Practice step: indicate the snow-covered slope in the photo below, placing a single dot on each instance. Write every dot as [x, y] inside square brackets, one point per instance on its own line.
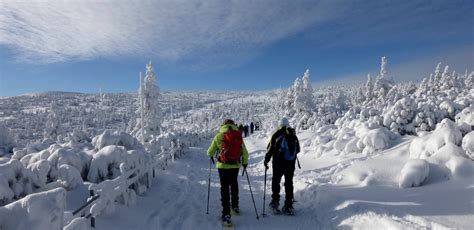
[353, 192]
[383, 155]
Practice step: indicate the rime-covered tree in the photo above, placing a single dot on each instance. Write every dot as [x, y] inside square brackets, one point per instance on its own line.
[469, 80]
[383, 83]
[150, 117]
[307, 91]
[369, 89]
[292, 100]
[51, 130]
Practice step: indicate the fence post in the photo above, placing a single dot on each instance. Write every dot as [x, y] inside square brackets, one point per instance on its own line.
[148, 180]
[91, 193]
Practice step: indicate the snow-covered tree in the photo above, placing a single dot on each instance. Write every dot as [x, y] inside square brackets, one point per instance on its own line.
[308, 90]
[369, 88]
[289, 104]
[150, 117]
[383, 83]
[51, 130]
[6, 140]
[469, 80]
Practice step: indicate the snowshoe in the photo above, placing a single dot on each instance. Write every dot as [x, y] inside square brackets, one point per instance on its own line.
[274, 209]
[289, 211]
[226, 222]
[235, 211]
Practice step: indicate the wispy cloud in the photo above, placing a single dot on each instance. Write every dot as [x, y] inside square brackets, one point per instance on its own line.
[58, 31]
[206, 32]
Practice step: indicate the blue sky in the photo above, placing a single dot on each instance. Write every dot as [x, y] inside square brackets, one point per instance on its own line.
[86, 45]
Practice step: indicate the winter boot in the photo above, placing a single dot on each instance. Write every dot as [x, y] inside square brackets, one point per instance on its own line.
[226, 222]
[274, 207]
[288, 210]
[235, 211]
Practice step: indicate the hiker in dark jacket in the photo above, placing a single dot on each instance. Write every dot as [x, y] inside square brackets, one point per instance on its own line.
[251, 127]
[283, 164]
[246, 130]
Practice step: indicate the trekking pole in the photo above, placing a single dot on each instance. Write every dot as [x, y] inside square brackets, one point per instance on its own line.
[251, 193]
[297, 160]
[264, 191]
[211, 160]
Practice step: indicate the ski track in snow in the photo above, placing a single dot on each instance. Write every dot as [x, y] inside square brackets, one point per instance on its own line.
[177, 199]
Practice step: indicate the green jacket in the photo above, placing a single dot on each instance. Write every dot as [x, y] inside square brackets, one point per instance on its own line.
[217, 143]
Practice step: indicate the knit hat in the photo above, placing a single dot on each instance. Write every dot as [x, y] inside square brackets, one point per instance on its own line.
[228, 122]
[284, 122]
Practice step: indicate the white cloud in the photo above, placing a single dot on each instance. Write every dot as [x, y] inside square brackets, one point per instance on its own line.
[175, 30]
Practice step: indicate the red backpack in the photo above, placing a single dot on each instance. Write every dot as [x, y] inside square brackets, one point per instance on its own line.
[231, 147]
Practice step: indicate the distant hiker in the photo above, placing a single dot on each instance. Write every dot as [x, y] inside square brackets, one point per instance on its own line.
[246, 130]
[257, 126]
[241, 128]
[283, 147]
[230, 149]
[251, 127]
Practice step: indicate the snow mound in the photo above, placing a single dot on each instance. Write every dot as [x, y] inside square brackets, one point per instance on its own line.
[42, 211]
[6, 141]
[426, 146]
[116, 138]
[40, 169]
[79, 223]
[372, 220]
[468, 144]
[460, 167]
[372, 140]
[357, 136]
[16, 181]
[466, 116]
[442, 150]
[106, 163]
[414, 173]
[69, 177]
[78, 160]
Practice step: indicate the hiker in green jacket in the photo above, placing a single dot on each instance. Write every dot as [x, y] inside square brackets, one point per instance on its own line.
[229, 148]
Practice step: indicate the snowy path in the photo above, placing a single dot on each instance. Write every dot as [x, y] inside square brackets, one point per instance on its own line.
[177, 199]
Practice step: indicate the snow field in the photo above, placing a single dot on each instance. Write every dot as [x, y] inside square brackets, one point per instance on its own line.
[379, 155]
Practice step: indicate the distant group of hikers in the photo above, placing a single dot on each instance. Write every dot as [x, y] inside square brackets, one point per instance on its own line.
[229, 149]
[246, 129]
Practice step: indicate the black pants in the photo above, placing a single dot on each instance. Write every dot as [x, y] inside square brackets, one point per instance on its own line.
[288, 171]
[228, 178]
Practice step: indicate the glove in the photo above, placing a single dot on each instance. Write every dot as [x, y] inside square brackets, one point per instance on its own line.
[213, 162]
[265, 164]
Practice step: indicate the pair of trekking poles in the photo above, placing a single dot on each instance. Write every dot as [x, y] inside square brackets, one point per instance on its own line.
[248, 180]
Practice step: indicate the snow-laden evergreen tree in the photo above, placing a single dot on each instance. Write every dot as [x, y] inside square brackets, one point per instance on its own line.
[308, 91]
[51, 130]
[383, 83]
[7, 141]
[148, 124]
[291, 97]
[299, 103]
[469, 80]
[369, 89]
[360, 96]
